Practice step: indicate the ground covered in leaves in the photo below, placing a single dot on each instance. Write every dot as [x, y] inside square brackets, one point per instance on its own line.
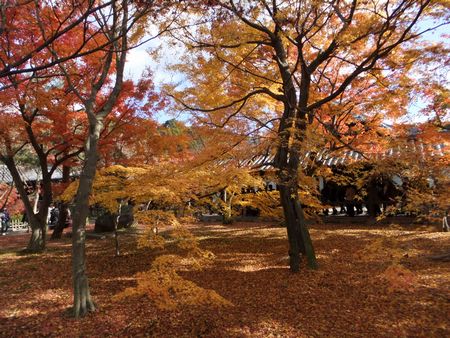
[373, 281]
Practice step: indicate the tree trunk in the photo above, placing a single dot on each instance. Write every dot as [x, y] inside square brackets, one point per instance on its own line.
[288, 171]
[227, 217]
[116, 240]
[60, 225]
[38, 225]
[36, 221]
[297, 231]
[116, 235]
[304, 236]
[290, 132]
[63, 207]
[36, 243]
[228, 213]
[36, 199]
[7, 193]
[298, 234]
[291, 226]
[82, 297]
[83, 302]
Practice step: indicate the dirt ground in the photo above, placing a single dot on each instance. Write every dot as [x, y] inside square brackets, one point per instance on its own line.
[372, 282]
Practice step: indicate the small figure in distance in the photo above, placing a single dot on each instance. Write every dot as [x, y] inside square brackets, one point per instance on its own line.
[5, 220]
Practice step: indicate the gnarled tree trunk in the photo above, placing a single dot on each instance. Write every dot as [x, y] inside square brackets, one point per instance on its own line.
[37, 241]
[297, 231]
[291, 133]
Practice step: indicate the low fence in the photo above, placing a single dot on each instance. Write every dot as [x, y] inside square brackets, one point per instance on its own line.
[18, 225]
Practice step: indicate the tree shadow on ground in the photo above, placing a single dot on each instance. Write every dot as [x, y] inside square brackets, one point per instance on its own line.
[345, 297]
[345, 291]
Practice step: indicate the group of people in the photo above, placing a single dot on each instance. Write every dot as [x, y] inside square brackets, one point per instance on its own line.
[5, 219]
[52, 220]
[54, 215]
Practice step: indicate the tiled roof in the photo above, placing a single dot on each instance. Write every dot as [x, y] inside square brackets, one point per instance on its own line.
[27, 174]
[265, 162]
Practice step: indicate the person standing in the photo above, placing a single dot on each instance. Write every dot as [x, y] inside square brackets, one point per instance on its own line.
[5, 219]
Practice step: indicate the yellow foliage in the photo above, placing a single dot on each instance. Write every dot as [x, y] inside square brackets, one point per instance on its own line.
[268, 202]
[184, 239]
[163, 285]
[168, 289]
[109, 187]
[154, 219]
[151, 240]
[69, 192]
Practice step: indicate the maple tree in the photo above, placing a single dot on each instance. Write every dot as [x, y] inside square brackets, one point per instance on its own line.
[29, 28]
[104, 80]
[78, 50]
[34, 98]
[161, 191]
[46, 103]
[98, 85]
[281, 63]
[32, 108]
[284, 75]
